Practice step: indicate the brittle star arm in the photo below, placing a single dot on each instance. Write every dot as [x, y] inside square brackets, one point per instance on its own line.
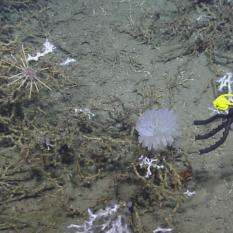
[209, 120]
[211, 133]
[221, 140]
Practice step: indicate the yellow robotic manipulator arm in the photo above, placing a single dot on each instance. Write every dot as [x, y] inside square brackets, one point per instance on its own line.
[222, 103]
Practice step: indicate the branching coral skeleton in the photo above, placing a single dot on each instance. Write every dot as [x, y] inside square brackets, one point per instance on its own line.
[27, 77]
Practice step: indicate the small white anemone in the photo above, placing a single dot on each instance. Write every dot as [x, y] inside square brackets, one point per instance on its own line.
[157, 128]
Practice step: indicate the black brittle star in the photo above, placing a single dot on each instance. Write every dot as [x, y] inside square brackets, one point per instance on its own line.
[227, 120]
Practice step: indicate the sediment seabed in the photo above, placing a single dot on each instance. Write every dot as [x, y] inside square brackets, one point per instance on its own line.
[72, 151]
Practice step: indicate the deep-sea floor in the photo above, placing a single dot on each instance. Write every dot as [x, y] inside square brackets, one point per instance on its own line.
[75, 146]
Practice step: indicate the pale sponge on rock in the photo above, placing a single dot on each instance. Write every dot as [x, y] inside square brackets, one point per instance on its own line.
[157, 128]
